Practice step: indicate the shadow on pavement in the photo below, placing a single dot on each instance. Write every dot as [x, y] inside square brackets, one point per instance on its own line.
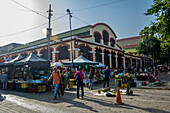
[48, 96]
[151, 110]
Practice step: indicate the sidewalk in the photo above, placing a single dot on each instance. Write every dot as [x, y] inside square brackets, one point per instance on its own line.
[143, 101]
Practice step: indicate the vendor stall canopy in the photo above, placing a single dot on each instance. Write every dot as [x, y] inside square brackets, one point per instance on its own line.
[33, 61]
[9, 63]
[7, 60]
[80, 61]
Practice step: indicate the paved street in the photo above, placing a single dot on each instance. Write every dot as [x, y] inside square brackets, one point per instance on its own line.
[143, 101]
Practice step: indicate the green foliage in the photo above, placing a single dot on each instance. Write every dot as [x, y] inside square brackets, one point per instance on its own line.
[157, 36]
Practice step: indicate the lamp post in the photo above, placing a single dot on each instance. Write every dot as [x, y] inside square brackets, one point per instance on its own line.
[70, 16]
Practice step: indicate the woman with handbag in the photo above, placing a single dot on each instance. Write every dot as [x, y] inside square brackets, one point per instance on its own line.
[56, 81]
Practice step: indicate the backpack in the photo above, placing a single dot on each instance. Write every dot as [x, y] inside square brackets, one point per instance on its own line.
[78, 77]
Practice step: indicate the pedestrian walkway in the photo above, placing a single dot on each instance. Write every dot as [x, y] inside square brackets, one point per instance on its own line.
[143, 100]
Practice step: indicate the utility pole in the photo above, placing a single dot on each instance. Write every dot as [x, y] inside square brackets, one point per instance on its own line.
[70, 16]
[49, 32]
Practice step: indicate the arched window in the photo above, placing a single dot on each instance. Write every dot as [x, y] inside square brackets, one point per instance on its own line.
[106, 58]
[113, 60]
[112, 41]
[97, 37]
[84, 51]
[63, 53]
[105, 37]
[98, 55]
[45, 54]
[120, 61]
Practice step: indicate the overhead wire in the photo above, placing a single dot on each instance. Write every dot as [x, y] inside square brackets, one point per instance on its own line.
[80, 20]
[29, 8]
[43, 12]
[56, 18]
[32, 27]
[87, 8]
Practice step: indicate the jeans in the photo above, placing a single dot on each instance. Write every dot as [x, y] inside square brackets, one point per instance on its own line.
[106, 80]
[80, 83]
[56, 86]
[91, 83]
[4, 84]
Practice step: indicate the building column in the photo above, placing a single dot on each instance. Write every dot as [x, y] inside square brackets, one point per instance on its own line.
[92, 55]
[54, 57]
[109, 44]
[76, 50]
[102, 57]
[141, 63]
[124, 63]
[116, 60]
[38, 53]
[110, 59]
[102, 42]
[130, 62]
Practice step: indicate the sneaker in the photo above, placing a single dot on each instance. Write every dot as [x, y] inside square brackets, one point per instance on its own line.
[91, 88]
[54, 98]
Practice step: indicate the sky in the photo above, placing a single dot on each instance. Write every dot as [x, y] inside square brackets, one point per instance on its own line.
[125, 17]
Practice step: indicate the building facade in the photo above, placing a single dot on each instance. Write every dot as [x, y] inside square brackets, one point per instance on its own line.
[95, 42]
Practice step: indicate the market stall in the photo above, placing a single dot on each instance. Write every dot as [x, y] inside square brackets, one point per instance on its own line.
[32, 74]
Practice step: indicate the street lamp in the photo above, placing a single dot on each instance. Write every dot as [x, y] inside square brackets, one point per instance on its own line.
[70, 16]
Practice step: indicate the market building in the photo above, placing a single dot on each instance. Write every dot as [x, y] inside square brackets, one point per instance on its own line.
[96, 42]
[129, 44]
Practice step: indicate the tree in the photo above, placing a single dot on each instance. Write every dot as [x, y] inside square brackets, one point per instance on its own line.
[159, 31]
[149, 45]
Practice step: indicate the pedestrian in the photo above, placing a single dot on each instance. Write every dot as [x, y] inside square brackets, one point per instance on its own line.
[91, 76]
[106, 76]
[4, 80]
[67, 77]
[79, 77]
[56, 81]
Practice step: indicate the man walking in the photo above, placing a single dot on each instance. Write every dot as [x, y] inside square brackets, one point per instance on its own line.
[80, 76]
[106, 76]
[56, 81]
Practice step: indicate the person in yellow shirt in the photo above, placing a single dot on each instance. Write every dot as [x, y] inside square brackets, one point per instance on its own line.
[56, 81]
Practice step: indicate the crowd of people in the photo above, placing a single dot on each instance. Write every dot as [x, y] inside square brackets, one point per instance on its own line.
[61, 77]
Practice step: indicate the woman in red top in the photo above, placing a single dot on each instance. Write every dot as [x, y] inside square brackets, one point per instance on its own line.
[80, 83]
